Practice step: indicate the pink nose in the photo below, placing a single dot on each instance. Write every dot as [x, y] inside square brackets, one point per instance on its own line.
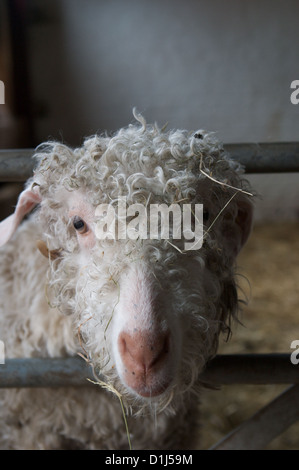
[144, 356]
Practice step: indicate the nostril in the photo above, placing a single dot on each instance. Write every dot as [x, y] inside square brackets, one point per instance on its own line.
[122, 344]
[162, 352]
[128, 348]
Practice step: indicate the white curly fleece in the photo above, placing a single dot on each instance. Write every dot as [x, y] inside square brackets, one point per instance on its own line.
[146, 313]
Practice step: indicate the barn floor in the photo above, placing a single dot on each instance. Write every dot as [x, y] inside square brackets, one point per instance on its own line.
[270, 261]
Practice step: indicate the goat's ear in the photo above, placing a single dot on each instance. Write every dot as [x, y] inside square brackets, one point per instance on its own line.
[237, 230]
[28, 199]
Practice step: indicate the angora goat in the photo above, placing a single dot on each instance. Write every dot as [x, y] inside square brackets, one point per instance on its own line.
[145, 312]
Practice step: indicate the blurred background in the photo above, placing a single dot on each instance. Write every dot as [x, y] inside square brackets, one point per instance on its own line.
[72, 68]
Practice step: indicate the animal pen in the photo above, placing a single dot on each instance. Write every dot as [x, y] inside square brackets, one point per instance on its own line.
[262, 427]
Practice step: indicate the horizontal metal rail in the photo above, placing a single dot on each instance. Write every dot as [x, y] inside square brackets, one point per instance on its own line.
[17, 165]
[222, 370]
[277, 157]
[45, 372]
[252, 369]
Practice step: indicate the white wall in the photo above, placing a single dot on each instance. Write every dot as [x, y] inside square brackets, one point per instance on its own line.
[221, 65]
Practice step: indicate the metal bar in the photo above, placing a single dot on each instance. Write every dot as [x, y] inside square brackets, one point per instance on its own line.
[16, 165]
[251, 369]
[265, 425]
[222, 370]
[278, 157]
[45, 372]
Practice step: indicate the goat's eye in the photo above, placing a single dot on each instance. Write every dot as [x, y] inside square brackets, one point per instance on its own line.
[79, 225]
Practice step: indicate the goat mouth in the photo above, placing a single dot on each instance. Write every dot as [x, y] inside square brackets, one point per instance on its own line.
[151, 390]
[149, 383]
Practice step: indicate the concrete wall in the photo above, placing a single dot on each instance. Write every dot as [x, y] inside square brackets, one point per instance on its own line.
[221, 65]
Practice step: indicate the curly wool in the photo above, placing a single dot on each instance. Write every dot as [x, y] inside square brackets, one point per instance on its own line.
[195, 290]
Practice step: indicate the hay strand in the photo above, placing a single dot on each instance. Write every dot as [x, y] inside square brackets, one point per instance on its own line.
[110, 388]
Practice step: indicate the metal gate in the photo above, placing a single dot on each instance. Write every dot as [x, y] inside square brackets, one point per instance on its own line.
[267, 423]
